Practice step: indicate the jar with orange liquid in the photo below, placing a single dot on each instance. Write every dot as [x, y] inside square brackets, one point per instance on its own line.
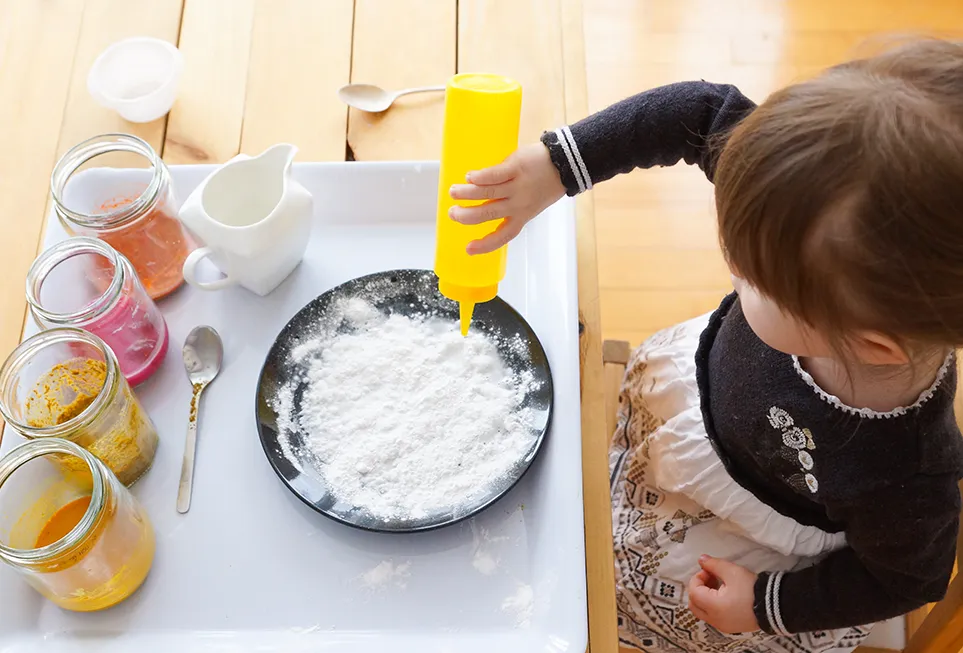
[79, 537]
[133, 210]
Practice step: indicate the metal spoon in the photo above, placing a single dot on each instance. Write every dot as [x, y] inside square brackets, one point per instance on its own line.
[203, 353]
[375, 99]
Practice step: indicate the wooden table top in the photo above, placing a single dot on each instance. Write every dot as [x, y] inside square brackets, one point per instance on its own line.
[258, 72]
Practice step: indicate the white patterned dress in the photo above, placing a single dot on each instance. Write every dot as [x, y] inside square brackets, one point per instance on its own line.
[673, 500]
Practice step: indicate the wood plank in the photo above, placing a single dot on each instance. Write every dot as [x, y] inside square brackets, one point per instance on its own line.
[645, 267]
[105, 22]
[654, 310]
[300, 55]
[822, 47]
[599, 563]
[425, 31]
[205, 124]
[38, 41]
[613, 384]
[521, 40]
[942, 630]
[756, 15]
[669, 227]
[633, 337]
[916, 618]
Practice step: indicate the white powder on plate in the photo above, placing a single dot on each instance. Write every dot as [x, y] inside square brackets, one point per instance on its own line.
[404, 416]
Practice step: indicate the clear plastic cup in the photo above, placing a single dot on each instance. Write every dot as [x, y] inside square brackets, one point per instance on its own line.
[137, 77]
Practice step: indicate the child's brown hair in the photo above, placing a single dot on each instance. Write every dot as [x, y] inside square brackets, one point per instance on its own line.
[841, 198]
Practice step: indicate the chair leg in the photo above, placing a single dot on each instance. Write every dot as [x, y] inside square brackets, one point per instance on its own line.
[615, 356]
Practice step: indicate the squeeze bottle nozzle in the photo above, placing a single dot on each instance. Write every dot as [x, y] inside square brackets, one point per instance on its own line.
[482, 115]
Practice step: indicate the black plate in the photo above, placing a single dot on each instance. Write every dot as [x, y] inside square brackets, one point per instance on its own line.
[406, 292]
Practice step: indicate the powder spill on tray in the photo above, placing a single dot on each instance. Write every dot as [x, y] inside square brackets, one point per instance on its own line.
[521, 605]
[387, 572]
[404, 416]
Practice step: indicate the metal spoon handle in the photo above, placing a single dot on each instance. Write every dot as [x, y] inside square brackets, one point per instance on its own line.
[190, 446]
[420, 89]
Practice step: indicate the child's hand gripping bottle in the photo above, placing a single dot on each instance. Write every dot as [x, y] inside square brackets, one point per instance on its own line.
[482, 114]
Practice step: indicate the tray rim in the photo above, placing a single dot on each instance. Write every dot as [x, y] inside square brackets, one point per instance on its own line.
[576, 634]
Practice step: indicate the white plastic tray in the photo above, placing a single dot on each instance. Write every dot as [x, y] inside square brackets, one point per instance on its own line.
[251, 568]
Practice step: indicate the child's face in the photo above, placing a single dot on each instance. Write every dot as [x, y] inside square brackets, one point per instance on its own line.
[777, 329]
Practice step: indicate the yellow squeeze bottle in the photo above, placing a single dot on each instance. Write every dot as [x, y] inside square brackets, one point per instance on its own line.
[482, 113]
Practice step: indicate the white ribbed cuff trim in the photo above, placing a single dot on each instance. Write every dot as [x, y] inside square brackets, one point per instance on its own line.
[773, 612]
[578, 157]
[574, 157]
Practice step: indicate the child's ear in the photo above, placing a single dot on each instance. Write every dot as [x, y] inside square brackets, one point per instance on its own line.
[872, 348]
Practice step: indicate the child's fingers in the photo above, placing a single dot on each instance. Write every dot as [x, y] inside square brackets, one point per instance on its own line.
[707, 579]
[494, 210]
[721, 569]
[498, 174]
[699, 613]
[473, 192]
[501, 236]
[702, 596]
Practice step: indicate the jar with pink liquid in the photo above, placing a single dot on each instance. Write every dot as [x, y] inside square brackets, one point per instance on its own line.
[84, 282]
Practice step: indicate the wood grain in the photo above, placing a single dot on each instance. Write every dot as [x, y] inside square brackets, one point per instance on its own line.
[759, 45]
[105, 22]
[300, 55]
[38, 41]
[645, 267]
[423, 34]
[942, 630]
[205, 124]
[599, 562]
[522, 40]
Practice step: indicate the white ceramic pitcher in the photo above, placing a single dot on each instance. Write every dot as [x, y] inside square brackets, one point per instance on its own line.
[254, 220]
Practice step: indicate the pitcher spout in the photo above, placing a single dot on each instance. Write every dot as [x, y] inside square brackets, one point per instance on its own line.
[278, 157]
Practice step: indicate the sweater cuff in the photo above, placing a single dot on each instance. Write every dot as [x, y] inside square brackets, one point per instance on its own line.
[568, 160]
[766, 604]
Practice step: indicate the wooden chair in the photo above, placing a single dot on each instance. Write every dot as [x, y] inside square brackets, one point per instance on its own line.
[937, 628]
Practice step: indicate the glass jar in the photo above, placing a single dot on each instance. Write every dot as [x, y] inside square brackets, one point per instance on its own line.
[84, 282]
[66, 383]
[80, 539]
[133, 210]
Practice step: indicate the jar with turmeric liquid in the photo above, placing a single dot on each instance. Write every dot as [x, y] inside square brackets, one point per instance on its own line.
[132, 208]
[78, 537]
[66, 383]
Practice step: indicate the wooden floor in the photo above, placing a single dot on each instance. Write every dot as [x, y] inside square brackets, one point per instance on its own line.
[658, 259]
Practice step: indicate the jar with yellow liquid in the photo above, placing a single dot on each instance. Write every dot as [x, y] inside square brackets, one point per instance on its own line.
[482, 116]
[78, 537]
[66, 383]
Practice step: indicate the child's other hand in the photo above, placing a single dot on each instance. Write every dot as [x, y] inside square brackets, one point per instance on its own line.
[722, 595]
[518, 189]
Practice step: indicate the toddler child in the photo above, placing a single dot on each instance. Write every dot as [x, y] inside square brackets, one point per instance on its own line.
[785, 470]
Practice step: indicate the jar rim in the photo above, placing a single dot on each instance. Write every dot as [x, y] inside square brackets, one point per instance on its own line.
[93, 147]
[26, 350]
[44, 264]
[32, 449]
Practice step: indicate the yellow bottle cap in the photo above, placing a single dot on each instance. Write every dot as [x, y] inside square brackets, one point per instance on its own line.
[467, 297]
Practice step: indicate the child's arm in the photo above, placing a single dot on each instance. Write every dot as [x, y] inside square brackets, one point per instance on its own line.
[658, 127]
[902, 543]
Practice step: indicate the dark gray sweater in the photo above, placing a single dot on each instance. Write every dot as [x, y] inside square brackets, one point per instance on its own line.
[889, 481]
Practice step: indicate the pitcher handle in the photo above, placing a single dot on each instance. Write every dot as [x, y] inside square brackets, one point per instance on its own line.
[190, 265]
